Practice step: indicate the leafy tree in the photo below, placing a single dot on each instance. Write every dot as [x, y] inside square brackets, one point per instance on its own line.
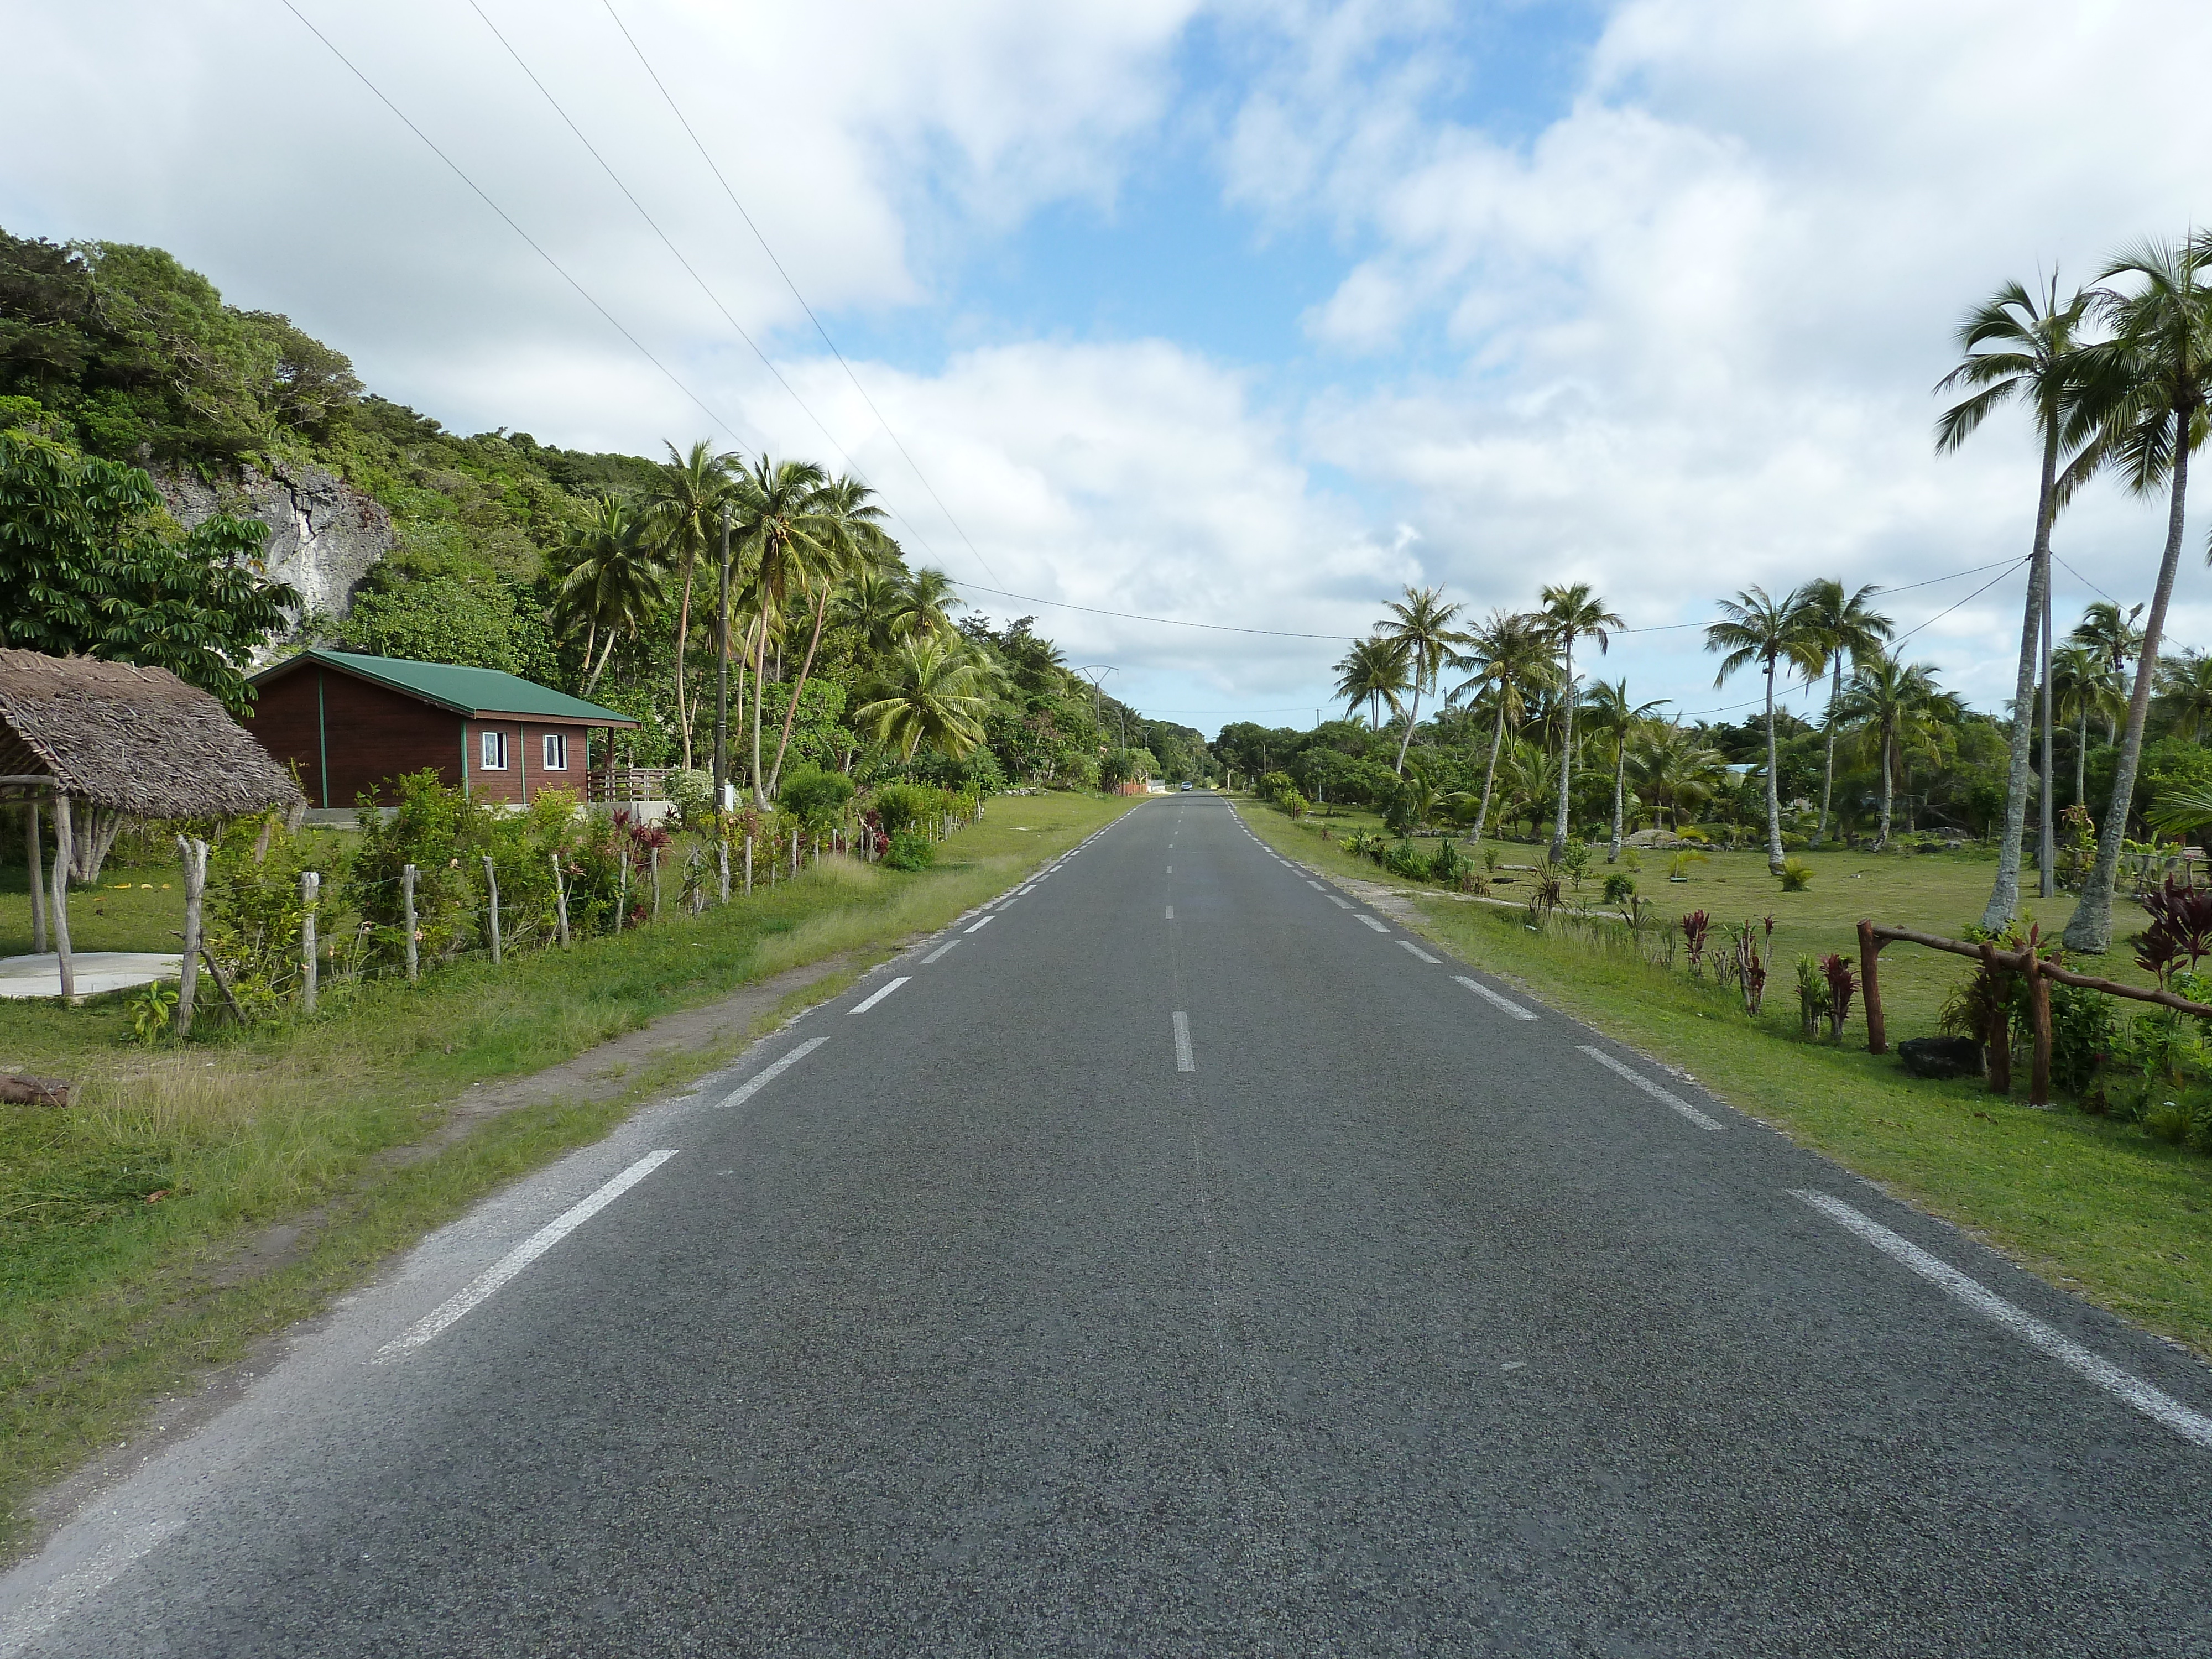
[1757, 627]
[685, 509]
[615, 582]
[1846, 626]
[91, 564]
[926, 695]
[1374, 671]
[1616, 720]
[1508, 656]
[1421, 625]
[1896, 705]
[1572, 612]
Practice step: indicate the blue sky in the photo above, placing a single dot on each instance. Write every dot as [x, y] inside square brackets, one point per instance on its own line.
[1239, 313]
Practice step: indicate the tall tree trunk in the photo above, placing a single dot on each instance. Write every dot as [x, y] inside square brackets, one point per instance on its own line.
[1413, 714]
[1828, 766]
[1566, 758]
[2004, 893]
[1773, 783]
[592, 684]
[760, 696]
[683, 635]
[2046, 858]
[2090, 929]
[1489, 777]
[1888, 790]
[1620, 795]
[2081, 761]
[791, 711]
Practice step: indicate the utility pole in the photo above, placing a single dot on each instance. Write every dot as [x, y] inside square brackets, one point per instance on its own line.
[722, 677]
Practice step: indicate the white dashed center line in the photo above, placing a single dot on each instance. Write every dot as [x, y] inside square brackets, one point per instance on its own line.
[1417, 952]
[1184, 1061]
[863, 1007]
[1172, 913]
[1505, 1003]
[981, 925]
[1379, 926]
[1650, 1088]
[768, 1074]
[939, 951]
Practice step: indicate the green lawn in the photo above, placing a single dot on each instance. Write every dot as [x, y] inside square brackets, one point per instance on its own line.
[109, 1295]
[2099, 1207]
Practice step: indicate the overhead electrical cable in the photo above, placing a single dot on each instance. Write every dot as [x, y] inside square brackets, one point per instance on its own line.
[484, 196]
[889, 430]
[2085, 581]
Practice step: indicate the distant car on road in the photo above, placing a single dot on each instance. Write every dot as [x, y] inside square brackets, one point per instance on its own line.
[1183, 788]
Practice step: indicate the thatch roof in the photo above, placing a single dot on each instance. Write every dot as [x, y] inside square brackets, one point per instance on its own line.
[138, 740]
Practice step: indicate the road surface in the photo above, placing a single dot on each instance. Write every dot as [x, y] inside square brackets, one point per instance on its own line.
[1175, 1257]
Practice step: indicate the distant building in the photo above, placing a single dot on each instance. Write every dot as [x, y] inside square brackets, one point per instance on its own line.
[351, 724]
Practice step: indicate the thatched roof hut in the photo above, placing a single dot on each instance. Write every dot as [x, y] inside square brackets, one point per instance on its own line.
[138, 742]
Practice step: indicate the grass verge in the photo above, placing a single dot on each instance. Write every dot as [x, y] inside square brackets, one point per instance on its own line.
[121, 1219]
[2100, 1207]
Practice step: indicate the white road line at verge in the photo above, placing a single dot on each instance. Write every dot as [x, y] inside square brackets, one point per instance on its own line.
[1172, 913]
[1184, 1062]
[768, 1074]
[863, 1007]
[981, 925]
[1317, 887]
[481, 1287]
[1650, 1088]
[1341, 903]
[939, 951]
[2193, 1426]
[1417, 952]
[1379, 926]
[1504, 1003]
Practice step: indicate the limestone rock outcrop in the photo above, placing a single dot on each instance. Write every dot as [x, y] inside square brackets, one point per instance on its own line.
[323, 533]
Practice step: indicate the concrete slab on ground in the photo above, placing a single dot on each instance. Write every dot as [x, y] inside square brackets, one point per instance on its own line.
[95, 971]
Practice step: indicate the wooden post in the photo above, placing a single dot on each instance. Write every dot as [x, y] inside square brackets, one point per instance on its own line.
[34, 864]
[656, 884]
[748, 866]
[2038, 1004]
[188, 976]
[311, 886]
[818, 852]
[560, 899]
[407, 915]
[58, 899]
[222, 983]
[722, 861]
[1870, 989]
[794, 850]
[622, 892]
[491, 891]
[1999, 1036]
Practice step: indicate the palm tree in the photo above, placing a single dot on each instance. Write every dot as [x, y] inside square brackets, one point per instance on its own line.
[1510, 655]
[1847, 626]
[685, 505]
[1756, 628]
[614, 584]
[1572, 613]
[2184, 692]
[1421, 627]
[873, 604]
[2113, 636]
[2085, 683]
[1897, 708]
[2018, 348]
[1672, 768]
[1612, 716]
[789, 549]
[932, 691]
[930, 599]
[1529, 777]
[1373, 671]
[2141, 411]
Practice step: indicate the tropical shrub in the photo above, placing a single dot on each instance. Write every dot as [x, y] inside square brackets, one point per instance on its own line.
[816, 797]
[910, 851]
[1797, 875]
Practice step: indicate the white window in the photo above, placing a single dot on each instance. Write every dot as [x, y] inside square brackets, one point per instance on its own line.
[495, 751]
[556, 752]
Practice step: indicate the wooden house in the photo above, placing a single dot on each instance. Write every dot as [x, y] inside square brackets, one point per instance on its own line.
[351, 724]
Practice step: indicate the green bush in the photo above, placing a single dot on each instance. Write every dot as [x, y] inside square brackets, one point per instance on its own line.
[1620, 888]
[1448, 864]
[903, 807]
[910, 851]
[1797, 875]
[817, 798]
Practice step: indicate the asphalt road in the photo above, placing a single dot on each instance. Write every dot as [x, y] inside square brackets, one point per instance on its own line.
[1175, 1257]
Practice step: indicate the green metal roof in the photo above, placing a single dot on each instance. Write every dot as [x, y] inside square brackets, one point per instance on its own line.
[470, 691]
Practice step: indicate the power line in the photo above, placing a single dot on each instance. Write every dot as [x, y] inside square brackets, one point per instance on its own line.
[2085, 581]
[1132, 616]
[889, 431]
[1948, 608]
[485, 197]
[1932, 581]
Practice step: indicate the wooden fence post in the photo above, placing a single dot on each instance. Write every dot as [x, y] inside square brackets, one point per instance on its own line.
[311, 886]
[622, 892]
[748, 866]
[188, 975]
[2038, 1005]
[57, 898]
[1870, 989]
[560, 899]
[1998, 1037]
[656, 884]
[34, 863]
[407, 908]
[491, 890]
[722, 862]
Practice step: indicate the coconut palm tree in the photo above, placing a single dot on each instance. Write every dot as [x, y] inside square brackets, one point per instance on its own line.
[2111, 633]
[1526, 781]
[1846, 626]
[1509, 656]
[1615, 720]
[845, 535]
[2142, 411]
[2019, 347]
[1673, 769]
[872, 603]
[1757, 627]
[930, 691]
[1572, 612]
[685, 507]
[1373, 672]
[1897, 708]
[2086, 685]
[930, 601]
[1421, 627]
[2184, 693]
[787, 538]
[614, 583]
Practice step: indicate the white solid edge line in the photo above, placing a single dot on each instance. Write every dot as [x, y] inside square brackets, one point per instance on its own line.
[1417, 952]
[1506, 1004]
[485, 1283]
[1650, 1088]
[939, 951]
[981, 925]
[768, 1074]
[2191, 1425]
[863, 1007]
[1379, 926]
[1184, 1062]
